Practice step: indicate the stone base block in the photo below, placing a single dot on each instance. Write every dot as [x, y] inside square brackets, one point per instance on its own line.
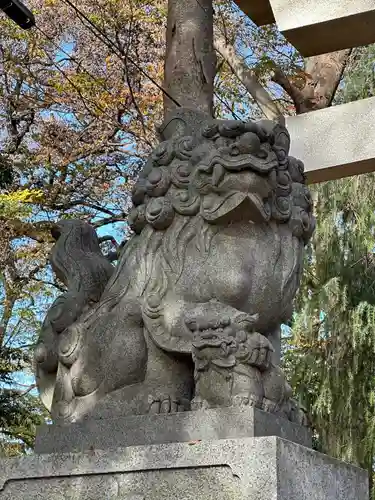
[218, 423]
[267, 468]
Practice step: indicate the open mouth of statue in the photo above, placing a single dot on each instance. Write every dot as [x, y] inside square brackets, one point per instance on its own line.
[235, 206]
[228, 195]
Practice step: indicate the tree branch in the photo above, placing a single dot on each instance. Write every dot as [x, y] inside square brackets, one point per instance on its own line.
[246, 76]
[110, 220]
[38, 231]
[293, 92]
[318, 82]
[51, 283]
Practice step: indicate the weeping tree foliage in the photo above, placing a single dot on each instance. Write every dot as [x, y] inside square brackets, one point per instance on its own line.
[20, 409]
[331, 353]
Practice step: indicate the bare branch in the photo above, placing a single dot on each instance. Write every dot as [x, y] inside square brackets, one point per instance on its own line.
[110, 220]
[269, 108]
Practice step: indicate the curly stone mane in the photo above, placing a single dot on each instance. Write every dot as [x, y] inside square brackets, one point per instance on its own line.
[170, 201]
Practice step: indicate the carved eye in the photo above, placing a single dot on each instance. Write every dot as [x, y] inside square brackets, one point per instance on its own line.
[234, 151]
[262, 154]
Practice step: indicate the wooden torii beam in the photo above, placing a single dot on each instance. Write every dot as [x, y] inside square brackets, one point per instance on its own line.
[335, 142]
[338, 141]
[259, 11]
[317, 26]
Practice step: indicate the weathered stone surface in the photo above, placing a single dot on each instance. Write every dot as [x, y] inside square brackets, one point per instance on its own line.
[213, 424]
[253, 468]
[348, 140]
[317, 27]
[221, 216]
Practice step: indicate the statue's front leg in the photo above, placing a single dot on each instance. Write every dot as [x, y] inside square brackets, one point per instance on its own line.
[169, 335]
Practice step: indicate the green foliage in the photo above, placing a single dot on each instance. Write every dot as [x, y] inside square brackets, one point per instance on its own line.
[360, 76]
[6, 173]
[331, 353]
[20, 411]
[19, 203]
[20, 414]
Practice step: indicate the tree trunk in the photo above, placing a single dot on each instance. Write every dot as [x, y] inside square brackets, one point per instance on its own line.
[190, 60]
[319, 82]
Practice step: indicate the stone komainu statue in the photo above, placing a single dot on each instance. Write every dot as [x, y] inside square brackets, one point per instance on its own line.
[190, 316]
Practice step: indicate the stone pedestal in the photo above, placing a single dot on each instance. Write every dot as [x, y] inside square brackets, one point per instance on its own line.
[215, 457]
[213, 424]
[267, 468]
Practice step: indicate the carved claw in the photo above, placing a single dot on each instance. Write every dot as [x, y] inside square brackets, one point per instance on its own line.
[261, 358]
[253, 400]
[260, 351]
[297, 414]
[240, 400]
[201, 324]
[214, 315]
[166, 404]
[199, 404]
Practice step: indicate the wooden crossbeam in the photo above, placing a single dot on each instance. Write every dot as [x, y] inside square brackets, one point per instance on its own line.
[259, 11]
[335, 142]
[338, 141]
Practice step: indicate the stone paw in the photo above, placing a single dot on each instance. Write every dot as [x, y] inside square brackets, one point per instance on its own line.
[214, 316]
[297, 414]
[166, 404]
[241, 400]
[259, 351]
[199, 404]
